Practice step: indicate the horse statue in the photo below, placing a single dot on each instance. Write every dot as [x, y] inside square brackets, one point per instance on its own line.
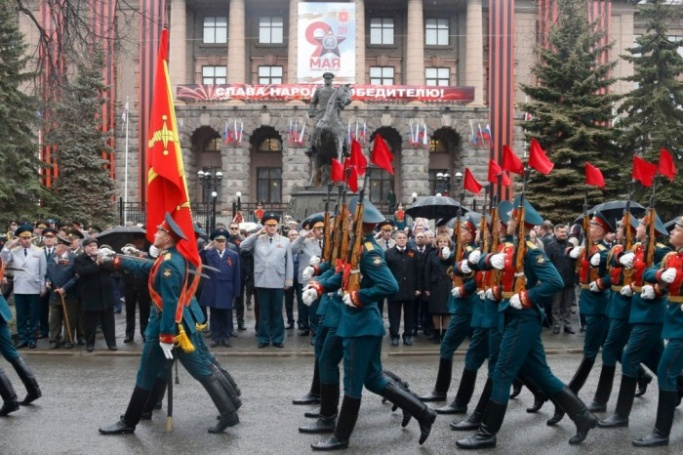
[329, 140]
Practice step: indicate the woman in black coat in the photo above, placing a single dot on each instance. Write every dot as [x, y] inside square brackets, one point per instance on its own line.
[439, 283]
[96, 288]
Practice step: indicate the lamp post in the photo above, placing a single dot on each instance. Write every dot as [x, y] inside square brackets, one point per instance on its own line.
[439, 182]
[210, 185]
[443, 182]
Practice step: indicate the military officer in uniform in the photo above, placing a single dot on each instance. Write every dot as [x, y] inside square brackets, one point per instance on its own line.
[521, 348]
[361, 329]
[321, 96]
[169, 284]
[308, 245]
[666, 283]
[273, 273]
[10, 353]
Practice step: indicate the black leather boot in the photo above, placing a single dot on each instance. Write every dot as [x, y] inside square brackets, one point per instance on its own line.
[329, 400]
[230, 388]
[8, 395]
[575, 385]
[644, 379]
[29, 380]
[345, 423]
[314, 413]
[474, 420]
[413, 406]
[227, 375]
[577, 411]
[443, 382]
[624, 404]
[391, 376]
[539, 396]
[516, 388]
[665, 418]
[485, 437]
[313, 395]
[127, 422]
[224, 404]
[464, 395]
[155, 398]
[604, 390]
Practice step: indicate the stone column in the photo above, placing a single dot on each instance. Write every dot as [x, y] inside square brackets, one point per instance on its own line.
[177, 60]
[236, 42]
[293, 44]
[415, 51]
[360, 41]
[474, 51]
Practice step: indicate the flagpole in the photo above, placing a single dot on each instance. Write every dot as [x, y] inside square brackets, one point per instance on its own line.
[125, 184]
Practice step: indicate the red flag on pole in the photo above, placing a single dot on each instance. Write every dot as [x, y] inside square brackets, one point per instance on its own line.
[643, 171]
[357, 159]
[494, 171]
[381, 156]
[166, 184]
[594, 176]
[511, 162]
[352, 180]
[506, 180]
[667, 167]
[470, 183]
[336, 171]
[538, 159]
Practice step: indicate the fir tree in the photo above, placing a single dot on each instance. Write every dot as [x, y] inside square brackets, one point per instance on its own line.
[571, 112]
[20, 187]
[652, 112]
[84, 190]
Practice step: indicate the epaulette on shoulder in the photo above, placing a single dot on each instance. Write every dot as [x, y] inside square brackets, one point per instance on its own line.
[468, 248]
[601, 247]
[369, 246]
[660, 245]
[531, 245]
[167, 256]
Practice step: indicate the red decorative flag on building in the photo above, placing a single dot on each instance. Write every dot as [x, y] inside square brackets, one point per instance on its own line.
[381, 156]
[667, 166]
[594, 176]
[538, 159]
[643, 171]
[357, 159]
[336, 171]
[470, 183]
[511, 161]
[166, 185]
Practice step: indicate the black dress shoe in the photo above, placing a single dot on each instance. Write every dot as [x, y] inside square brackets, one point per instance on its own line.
[569, 330]
[278, 345]
[68, 345]
[394, 341]
[320, 426]
[113, 348]
[262, 345]
[31, 344]
[408, 341]
[128, 340]
[556, 329]
[241, 327]
[119, 427]
[217, 343]
[290, 326]
[89, 348]
[226, 343]
[304, 332]
[314, 414]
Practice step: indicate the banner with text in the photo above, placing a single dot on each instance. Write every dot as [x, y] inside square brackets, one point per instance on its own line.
[327, 42]
[304, 92]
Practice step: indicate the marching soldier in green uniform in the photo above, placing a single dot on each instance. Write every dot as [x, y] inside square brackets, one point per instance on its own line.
[521, 349]
[167, 285]
[362, 329]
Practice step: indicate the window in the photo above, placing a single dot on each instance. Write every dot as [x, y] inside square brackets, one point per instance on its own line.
[270, 144]
[213, 75]
[270, 30]
[381, 185]
[270, 75]
[382, 75]
[269, 185]
[437, 146]
[215, 30]
[437, 76]
[381, 30]
[436, 32]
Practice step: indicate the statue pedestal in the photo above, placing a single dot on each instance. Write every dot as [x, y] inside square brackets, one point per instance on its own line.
[307, 201]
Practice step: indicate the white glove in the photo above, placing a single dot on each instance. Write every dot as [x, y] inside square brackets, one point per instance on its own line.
[347, 300]
[489, 294]
[129, 250]
[575, 252]
[315, 260]
[154, 251]
[474, 257]
[516, 302]
[498, 261]
[456, 292]
[595, 260]
[669, 275]
[647, 292]
[464, 268]
[307, 274]
[309, 296]
[481, 295]
[681, 306]
[167, 348]
[593, 286]
[107, 252]
[626, 291]
[445, 252]
[627, 259]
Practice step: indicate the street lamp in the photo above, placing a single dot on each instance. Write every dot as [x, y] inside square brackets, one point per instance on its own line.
[439, 182]
[414, 195]
[237, 204]
[210, 185]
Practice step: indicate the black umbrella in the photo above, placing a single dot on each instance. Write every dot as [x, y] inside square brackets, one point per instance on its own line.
[613, 211]
[435, 207]
[120, 236]
[476, 218]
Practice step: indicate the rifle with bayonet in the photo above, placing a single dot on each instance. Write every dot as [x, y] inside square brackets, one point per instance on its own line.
[457, 254]
[520, 238]
[628, 235]
[351, 280]
[651, 217]
[327, 234]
